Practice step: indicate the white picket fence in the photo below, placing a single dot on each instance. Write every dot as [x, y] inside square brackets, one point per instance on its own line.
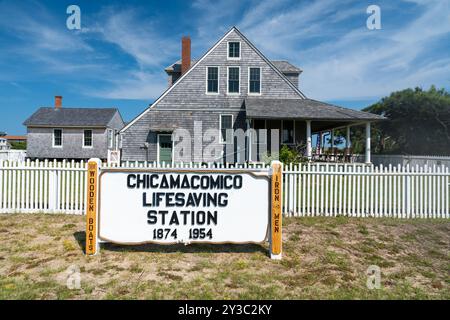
[355, 190]
[404, 160]
[360, 190]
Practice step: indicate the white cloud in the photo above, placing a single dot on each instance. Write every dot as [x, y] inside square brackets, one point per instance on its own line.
[136, 35]
[342, 62]
[36, 28]
[133, 85]
[341, 59]
[367, 63]
[142, 41]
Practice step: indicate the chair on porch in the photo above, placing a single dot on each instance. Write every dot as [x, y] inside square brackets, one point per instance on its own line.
[348, 152]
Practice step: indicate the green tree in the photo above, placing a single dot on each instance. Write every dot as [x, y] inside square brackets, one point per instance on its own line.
[419, 123]
[18, 145]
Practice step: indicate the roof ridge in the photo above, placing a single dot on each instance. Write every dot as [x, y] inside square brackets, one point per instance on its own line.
[342, 109]
[72, 116]
[83, 108]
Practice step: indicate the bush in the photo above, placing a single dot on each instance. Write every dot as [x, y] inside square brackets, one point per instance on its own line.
[287, 155]
[18, 145]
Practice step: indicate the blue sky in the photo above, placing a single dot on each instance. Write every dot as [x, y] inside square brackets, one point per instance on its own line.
[117, 58]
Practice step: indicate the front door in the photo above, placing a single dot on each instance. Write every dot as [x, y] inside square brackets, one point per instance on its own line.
[165, 148]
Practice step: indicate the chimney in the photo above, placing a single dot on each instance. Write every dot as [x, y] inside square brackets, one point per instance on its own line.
[185, 54]
[58, 102]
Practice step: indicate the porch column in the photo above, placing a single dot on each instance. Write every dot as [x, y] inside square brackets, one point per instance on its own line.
[249, 141]
[368, 142]
[332, 139]
[348, 143]
[320, 145]
[308, 140]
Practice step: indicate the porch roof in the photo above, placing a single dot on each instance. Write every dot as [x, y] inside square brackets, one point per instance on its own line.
[305, 109]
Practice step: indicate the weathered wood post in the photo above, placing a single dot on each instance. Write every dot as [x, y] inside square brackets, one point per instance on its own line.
[276, 208]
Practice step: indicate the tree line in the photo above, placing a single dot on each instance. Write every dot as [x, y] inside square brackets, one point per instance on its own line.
[418, 124]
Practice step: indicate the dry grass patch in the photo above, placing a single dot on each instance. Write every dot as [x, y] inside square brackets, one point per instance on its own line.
[324, 258]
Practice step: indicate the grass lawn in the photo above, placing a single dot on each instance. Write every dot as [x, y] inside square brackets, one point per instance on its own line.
[324, 258]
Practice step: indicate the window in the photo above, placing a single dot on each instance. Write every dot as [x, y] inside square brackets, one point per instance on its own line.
[288, 132]
[110, 139]
[234, 50]
[261, 131]
[213, 80]
[254, 80]
[226, 123]
[233, 79]
[87, 139]
[57, 138]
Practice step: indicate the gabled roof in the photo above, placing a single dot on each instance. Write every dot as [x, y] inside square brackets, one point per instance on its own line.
[15, 137]
[288, 82]
[71, 117]
[307, 109]
[286, 67]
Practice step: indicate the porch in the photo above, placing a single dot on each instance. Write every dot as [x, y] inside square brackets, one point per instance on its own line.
[298, 121]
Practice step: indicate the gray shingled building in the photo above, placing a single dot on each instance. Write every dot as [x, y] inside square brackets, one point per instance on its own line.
[72, 133]
[233, 86]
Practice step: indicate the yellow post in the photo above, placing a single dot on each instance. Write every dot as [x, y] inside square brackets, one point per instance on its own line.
[276, 216]
[91, 207]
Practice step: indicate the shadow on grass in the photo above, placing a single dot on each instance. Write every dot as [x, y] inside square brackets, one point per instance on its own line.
[80, 237]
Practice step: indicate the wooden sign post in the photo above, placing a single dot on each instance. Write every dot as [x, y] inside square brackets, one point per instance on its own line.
[92, 245]
[276, 216]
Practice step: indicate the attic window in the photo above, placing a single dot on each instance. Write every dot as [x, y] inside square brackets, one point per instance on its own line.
[234, 50]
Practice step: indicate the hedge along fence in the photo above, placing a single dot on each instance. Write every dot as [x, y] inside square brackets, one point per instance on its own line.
[314, 189]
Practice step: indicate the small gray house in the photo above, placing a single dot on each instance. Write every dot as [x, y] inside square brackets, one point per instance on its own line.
[234, 86]
[72, 133]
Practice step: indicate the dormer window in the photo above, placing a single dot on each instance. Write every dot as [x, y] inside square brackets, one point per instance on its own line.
[234, 50]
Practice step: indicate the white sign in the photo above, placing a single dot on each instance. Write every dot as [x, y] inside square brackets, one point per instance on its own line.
[183, 206]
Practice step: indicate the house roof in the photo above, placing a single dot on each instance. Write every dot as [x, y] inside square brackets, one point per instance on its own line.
[286, 67]
[303, 109]
[193, 66]
[176, 66]
[283, 66]
[15, 137]
[71, 117]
